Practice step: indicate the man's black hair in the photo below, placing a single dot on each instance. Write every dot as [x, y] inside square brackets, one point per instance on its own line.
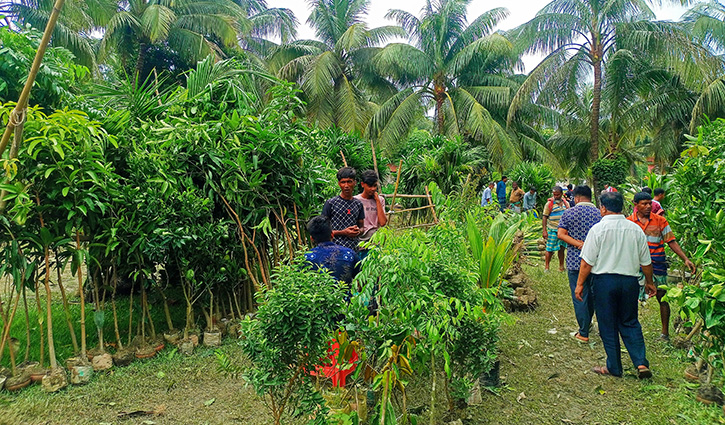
[557, 189]
[504, 177]
[532, 188]
[659, 191]
[642, 196]
[369, 177]
[612, 201]
[320, 229]
[346, 173]
[569, 186]
[583, 191]
[647, 189]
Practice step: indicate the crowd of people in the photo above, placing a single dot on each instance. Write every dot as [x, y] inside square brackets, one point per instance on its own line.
[612, 262]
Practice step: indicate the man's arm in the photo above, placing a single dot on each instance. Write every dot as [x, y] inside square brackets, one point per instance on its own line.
[585, 270]
[649, 285]
[544, 220]
[675, 247]
[563, 234]
[382, 218]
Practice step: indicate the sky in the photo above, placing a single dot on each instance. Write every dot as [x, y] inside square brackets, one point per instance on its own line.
[520, 11]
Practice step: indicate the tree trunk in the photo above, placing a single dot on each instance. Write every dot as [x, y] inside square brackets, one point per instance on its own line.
[27, 325]
[140, 62]
[66, 309]
[596, 104]
[40, 323]
[440, 119]
[84, 356]
[51, 343]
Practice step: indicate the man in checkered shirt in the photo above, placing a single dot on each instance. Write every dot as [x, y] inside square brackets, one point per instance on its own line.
[346, 214]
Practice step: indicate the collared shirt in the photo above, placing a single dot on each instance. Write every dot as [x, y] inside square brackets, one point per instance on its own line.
[516, 195]
[577, 221]
[554, 210]
[341, 262]
[371, 224]
[616, 245]
[344, 213]
[529, 201]
[658, 233]
[486, 198]
[501, 189]
[657, 208]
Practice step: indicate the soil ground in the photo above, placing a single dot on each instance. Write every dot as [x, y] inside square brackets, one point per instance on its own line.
[546, 374]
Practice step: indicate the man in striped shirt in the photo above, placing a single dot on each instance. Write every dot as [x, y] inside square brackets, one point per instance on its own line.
[658, 233]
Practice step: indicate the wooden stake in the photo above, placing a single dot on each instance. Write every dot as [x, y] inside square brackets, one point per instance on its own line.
[432, 207]
[395, 192]
[344, 161]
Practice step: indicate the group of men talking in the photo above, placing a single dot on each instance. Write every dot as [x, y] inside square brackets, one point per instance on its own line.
[613, 262]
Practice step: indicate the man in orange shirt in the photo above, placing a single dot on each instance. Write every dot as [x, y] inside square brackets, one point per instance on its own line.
[658, 233]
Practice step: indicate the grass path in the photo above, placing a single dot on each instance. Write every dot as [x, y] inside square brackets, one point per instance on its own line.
[543, 362]
[546, 374]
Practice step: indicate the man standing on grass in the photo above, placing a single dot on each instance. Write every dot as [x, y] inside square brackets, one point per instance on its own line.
[501, 192]
[346, 214]
[553, 210]
[517, 195]
[613, 253]
[487, 196]
[530, 199]
[574, 226]
[374, 206]
[658, 233]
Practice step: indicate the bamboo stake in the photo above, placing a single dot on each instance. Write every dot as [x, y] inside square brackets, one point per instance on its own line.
[395, 192]
[432, 207]
[375, 158]
[344, 161]
[400, 195]
[22, 105]
[425, 207]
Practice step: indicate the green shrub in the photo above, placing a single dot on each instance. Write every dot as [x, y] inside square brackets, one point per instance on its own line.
[612, 171]
[539, 176]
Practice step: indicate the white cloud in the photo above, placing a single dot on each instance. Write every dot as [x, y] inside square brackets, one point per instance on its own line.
[520, 11]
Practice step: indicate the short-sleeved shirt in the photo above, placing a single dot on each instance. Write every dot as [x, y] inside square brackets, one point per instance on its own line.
[529, 201]
[658, 233]
[554, 210]
[371, 216]
[615, 245]
[657, 207]
[486, 197]
[340, 261]
[516, 196]
[577, 221]
[501, 190]
[344, 213]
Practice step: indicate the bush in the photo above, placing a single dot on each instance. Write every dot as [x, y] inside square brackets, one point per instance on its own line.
[540, 176]
[612, 171]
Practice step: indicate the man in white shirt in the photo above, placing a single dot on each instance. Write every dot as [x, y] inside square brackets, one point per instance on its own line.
[613, 253]
[487, 195]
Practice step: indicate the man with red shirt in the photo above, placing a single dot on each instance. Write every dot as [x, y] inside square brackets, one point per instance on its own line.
[658, 233]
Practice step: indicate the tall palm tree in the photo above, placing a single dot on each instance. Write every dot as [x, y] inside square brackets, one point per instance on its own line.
[193, 29]
[581, 36]
[707, 23]
[333, 71]
[462, 71]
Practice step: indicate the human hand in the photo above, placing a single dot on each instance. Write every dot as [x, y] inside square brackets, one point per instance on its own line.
[690, 265]
[545, 234]
[650, 289]
[579, 244]
[578, 291]
[351, 231]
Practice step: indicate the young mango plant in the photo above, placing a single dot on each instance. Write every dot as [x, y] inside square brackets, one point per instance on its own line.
[289, 338]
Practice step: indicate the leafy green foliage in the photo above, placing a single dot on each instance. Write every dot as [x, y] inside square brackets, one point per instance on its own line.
[540, 176]
[289, 338]
[57, 81]
[612, 171]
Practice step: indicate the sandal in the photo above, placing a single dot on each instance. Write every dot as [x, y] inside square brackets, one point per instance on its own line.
[582, 339]
[643, 372]
[601, 370]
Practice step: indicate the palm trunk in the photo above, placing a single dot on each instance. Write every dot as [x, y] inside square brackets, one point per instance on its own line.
[440, 119]
[140, 62]
[596, 104]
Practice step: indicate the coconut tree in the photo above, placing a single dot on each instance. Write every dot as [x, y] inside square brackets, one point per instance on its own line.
[707, 23]
[334, 72]
[192, 29]
[462, 71]
[581, 36]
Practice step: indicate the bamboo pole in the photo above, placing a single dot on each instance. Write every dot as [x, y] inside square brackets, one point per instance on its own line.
[413, 209]
[432, 207]
[395, 192]
[22, 105]
[375, 158]
[344, 161]
[400, 195]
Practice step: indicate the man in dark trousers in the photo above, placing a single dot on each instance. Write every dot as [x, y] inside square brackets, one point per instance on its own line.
[613, 253]
[346, 214]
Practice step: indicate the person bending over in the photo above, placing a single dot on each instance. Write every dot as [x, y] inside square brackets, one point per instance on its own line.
[340, 261]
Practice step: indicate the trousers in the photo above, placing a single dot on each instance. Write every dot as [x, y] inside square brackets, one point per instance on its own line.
[615, 302]
[583, 310]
